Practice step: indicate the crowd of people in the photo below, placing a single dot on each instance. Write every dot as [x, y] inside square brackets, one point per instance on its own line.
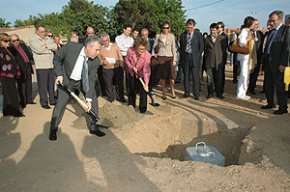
[136, 63]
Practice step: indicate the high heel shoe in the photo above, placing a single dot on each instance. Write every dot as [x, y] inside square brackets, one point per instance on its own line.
[164, 97]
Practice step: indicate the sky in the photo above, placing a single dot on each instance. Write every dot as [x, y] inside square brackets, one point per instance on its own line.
[204, 12]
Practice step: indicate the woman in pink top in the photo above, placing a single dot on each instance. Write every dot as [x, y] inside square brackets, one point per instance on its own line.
[138, 63]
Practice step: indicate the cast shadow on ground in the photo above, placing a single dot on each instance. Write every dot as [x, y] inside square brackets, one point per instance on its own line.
[121, 168]
[46, 166]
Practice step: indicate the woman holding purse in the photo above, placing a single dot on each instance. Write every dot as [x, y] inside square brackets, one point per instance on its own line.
[138, 63]
[247, 61]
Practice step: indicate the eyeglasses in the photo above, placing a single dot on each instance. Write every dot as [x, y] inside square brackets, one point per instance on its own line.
[6, 41]
[166, 27]
[14, 40]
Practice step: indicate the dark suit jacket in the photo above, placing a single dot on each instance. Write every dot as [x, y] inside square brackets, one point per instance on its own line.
[279, 52]
[64, 62]
[225, 46]
[22, 65]
[259, 46]
[197, 47]
[214, 53]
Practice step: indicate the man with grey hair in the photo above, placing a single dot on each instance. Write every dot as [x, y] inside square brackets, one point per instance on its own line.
[76, 67]
[42, 48]
[113, 72]
[276, 59]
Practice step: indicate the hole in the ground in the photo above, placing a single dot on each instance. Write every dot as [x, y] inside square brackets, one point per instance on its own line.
[228, 143]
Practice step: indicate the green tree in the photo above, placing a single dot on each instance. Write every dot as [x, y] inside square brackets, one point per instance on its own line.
[3, 23]
[79, 14]
[30, 21]
[150, 14]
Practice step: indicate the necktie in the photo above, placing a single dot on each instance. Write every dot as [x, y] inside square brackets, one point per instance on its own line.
[270, 40]
[85, 75]
[188, 43]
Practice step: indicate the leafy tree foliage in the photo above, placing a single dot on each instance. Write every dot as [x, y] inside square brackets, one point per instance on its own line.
[77, 15]
[3, 23]
[151, 13]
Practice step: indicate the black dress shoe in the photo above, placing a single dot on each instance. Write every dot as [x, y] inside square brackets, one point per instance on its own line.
[280, 112]
[22, 106]
[185, 95]
[97, 132]
[209, 96]
[220, 96]
[253, 92]
[52, 136]
[52, 103]
[267, 106]
[18, 114]
[31, 103]
[46, 107]
[196, 98]
[122, 100]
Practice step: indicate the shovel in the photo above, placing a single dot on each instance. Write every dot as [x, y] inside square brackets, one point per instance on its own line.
[143, 84]
[82, 104]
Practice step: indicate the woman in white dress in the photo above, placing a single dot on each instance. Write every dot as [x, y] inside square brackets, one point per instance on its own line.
[247, 61]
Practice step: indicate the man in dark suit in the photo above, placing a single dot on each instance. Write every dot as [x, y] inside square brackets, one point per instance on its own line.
[24, 60]
[259, 38]
[214, 61]
[221, 30]
[191, 47]
[277, 55]
[76, 67]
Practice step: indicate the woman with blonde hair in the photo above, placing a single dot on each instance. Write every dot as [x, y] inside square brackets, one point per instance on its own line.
[9, 71]
[165, 51]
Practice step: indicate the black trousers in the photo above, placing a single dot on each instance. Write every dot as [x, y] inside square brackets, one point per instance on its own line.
[10, 96]
[63, 98]
[154, 79]
[45, 83]
[236, 66]
[114, 77]
[189, 69]
[215, 78]
[135, 86]
[254, 77]
[25, 88]
[274, 80]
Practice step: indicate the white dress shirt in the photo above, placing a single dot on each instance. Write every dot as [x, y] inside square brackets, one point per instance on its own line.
[124, 42]
[77, 70]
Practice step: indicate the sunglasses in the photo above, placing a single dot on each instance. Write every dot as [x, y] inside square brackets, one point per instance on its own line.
[14, 40]
[6, 41]
[166, 27]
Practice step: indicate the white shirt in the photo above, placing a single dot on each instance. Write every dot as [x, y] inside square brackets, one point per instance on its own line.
[242, 42]
[77, 71]
[124, 43]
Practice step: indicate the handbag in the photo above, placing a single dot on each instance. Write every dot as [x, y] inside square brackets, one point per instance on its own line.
[235, 47]
[156, 49]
